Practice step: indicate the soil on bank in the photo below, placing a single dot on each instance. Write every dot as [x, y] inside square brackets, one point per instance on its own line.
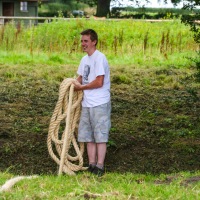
[155, 123]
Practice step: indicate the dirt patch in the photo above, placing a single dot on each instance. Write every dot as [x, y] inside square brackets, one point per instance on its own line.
[155, 128]
[187, 182]
[166, 181]
[191, 180]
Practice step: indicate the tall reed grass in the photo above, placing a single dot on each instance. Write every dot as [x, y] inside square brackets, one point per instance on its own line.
[115, 37]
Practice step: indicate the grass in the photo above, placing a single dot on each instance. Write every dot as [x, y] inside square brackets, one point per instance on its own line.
[155, 113]
[183, 185]
[116, 38]
[154, 139]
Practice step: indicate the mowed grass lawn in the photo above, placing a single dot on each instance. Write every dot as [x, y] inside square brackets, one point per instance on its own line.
[183, 186]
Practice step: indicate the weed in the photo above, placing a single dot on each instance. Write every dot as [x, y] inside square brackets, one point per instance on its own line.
[56, 59]
[111, 143]
[119, 79]
[193, 92]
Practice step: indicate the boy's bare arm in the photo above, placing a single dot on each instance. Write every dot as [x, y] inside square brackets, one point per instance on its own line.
[97, 83]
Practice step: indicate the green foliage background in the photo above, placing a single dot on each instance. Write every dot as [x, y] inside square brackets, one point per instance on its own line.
[117, 38]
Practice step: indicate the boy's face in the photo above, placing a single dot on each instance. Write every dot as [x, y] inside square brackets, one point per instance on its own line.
[87, 44]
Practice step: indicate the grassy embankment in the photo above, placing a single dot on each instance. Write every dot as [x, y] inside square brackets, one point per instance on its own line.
[155, 115]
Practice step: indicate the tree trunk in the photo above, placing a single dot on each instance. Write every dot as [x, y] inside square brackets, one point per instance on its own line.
[103, 8]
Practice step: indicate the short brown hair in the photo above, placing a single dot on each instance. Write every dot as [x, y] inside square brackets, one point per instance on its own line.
[92, 33]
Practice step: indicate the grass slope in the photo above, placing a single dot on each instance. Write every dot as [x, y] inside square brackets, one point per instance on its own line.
[155, 117]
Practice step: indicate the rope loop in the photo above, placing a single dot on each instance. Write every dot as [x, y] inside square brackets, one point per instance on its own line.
[61, 139]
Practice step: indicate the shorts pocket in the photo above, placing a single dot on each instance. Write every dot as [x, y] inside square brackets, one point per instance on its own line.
[104, 126]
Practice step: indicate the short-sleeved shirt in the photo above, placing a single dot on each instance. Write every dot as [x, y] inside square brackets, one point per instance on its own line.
[90, 67]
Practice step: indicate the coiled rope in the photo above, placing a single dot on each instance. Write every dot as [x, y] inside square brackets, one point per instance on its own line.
[67, 109]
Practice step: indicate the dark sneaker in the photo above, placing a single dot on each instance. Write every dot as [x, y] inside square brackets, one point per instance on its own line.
[90, 168]
[99, 172]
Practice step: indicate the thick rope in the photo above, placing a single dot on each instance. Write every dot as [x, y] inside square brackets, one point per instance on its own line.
[67, 109]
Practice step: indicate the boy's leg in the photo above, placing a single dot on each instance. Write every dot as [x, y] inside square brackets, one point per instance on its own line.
[101, 153]
[92, 153]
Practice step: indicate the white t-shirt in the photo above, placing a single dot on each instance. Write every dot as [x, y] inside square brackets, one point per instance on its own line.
[90, 67]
